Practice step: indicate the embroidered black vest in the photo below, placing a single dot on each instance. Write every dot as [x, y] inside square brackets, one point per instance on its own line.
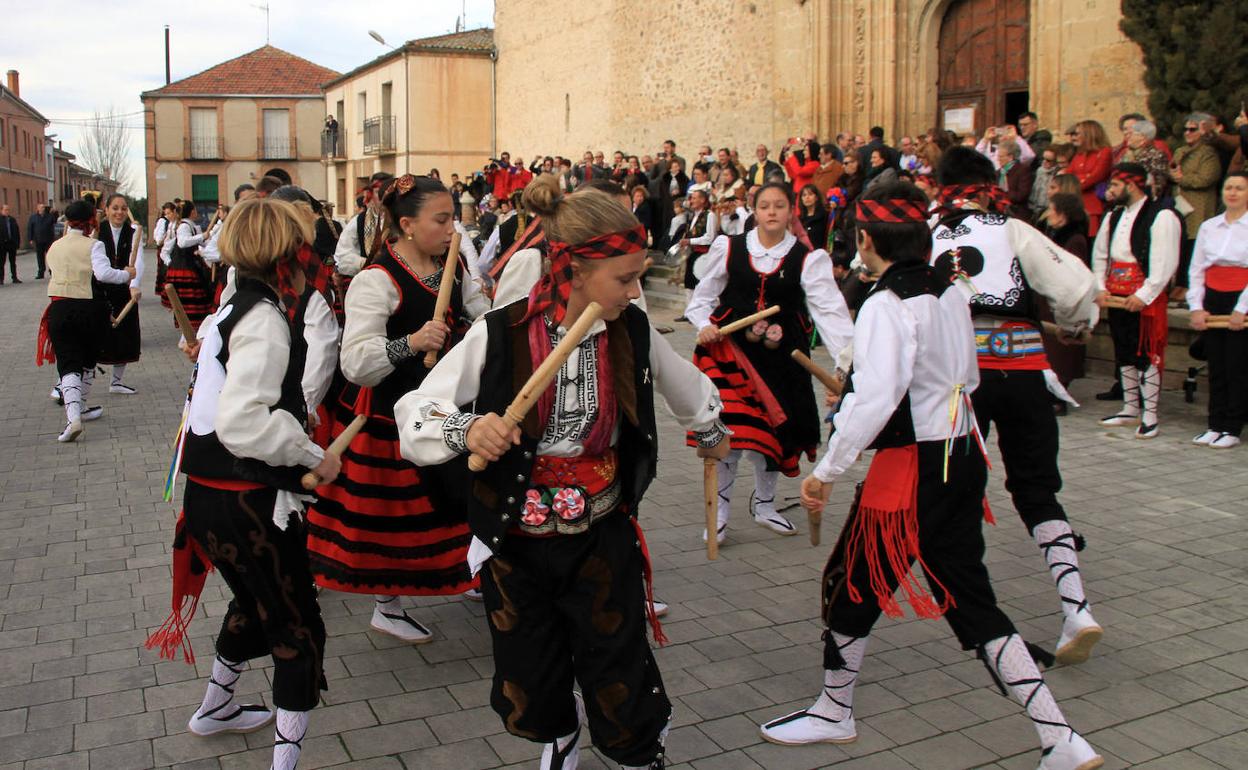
[417, 301]
[204, 455]
[497, 493]
[976, 244]
[1141, 230]
[185, 258]
[906, 280]
[749, 291]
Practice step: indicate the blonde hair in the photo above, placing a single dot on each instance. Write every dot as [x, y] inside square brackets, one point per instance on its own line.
[261, 232]
[576, 218]
[1092, 136]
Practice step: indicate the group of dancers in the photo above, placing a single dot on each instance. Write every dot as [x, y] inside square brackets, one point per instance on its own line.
[543, 523]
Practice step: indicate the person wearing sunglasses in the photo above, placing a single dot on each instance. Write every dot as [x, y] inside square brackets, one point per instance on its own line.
[1196, 172]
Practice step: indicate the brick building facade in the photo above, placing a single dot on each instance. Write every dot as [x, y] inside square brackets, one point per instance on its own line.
[23, 152]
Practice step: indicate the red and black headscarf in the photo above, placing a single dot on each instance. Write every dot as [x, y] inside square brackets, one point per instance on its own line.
[1131, 173]
[952, 197]
[895, 210]
[553, 291]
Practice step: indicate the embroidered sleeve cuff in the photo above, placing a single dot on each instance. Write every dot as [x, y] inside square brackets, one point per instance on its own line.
[712, 436]
[397, 349]
[455, 431]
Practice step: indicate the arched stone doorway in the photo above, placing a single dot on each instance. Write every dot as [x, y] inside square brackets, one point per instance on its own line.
[983, 76]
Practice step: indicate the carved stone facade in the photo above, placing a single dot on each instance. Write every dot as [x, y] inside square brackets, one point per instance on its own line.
[629, 74]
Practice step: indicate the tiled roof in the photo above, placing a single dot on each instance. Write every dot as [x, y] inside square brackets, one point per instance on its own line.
[469, 40]
[266, 71]
[473, 41]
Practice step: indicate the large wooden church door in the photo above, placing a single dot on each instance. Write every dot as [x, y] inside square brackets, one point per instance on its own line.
[983, 73]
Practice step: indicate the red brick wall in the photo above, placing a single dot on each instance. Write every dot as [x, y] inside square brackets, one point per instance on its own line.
[23, 164]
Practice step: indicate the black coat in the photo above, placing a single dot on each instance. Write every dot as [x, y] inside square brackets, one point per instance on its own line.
[769, 168]
[41, 228]
[10, 233]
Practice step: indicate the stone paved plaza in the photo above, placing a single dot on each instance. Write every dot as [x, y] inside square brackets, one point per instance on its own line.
[84, 576]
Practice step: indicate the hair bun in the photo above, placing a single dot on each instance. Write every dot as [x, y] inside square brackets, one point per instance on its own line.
[542, 196]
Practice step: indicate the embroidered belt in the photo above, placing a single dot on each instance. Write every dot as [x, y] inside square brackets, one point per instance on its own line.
[1008, 341]
[1124, 278]
[569, 494]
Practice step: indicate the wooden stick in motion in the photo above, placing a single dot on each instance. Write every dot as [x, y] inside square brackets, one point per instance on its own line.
[179, 314]
[444, 291]
[749, 320]
[125, 311]
[339, 445]
[710, 493]
[829, 380]
[528, 395]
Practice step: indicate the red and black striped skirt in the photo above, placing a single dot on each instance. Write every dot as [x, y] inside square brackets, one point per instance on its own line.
[377, 529]
[193, 291]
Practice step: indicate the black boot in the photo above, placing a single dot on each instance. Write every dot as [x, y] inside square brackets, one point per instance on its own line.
[1113, 394]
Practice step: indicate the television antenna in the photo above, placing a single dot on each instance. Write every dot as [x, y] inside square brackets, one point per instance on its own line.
[264, 7]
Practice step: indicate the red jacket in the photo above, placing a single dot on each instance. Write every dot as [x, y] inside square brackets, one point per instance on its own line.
[801, 174]
[1092, 168]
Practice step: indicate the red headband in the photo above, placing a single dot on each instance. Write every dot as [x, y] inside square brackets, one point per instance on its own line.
[897, 210]
[952, 195]
[369, 191]
[555, 287]
[1129, 177]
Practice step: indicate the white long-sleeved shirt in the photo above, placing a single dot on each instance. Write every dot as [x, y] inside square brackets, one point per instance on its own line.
[1218, 242]
[103, 270]
[924, 345]
[823, 296]
[210, 251]
[245, 421]
[320, 332]
[712, 228]
[371, 299]
[1163, 257]
[468, 251]
[347, 259]
[730, 226]
[162, 229]
[136, 282]
[188, 235]
[493, 245]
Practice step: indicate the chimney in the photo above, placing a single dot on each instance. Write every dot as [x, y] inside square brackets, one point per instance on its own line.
[14, 84]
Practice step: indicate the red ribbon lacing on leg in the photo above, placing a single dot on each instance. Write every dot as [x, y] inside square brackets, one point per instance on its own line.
[190, 571]
[885, 530]
[656, 627]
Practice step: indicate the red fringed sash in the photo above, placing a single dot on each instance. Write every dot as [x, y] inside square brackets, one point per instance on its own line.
[656, 627]
[44, 353]
[885, 530]
[1124, 279]
[190, 571]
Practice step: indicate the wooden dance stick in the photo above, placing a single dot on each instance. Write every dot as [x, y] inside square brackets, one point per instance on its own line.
[828, 379]
[1115, 301]
[212, 275]
[710, 494]
[179, 314]
[514, 414]
[125, 311]
[815, 520]
[749, 320]
[444, 291]
[336, 447]
[1217, 322]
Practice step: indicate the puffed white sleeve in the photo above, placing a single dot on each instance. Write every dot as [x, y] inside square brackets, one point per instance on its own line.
[103, 269]
[706, 293]
[368, 356]
[137, 283]
[1100, 257]
[1196, 273]
[520, 274]
[187, 237]
[1057, 274]
[347, 259]
[690, 395]
[885, 343]
[1163, 256]
[246, 422]
[825, 302]
[489, 252]
[320, 331]
[476, 304]
[712, 231]
[468, 250]
[162, 225]
[432, 429]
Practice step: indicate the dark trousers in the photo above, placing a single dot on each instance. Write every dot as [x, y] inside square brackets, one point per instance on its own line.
[274, 610]
[951, 542]
[76, 328]
[10, 253]
[1227, 353]
[1020, 405]
[1186, 247]
[41, 258]
[570, 608]
[1124, 331]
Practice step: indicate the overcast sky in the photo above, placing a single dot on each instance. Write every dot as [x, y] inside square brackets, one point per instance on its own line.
[77, 57]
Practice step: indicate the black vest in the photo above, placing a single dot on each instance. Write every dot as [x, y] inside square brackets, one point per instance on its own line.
[118, 258]
[204, 455]
[906, 280]
[1141, 230]
[417, 301]
[497, 493]
[749, 291]
[185, 258]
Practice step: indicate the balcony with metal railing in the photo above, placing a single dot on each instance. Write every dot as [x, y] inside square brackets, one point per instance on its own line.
[379, 135]
[204, 148]
[276, 148]
[332, 146]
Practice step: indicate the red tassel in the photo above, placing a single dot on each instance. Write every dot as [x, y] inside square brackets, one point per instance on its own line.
[656, 627]
[988, 517]
[885, 529]
[44, 354]
[190, 571]
[1154, 331]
